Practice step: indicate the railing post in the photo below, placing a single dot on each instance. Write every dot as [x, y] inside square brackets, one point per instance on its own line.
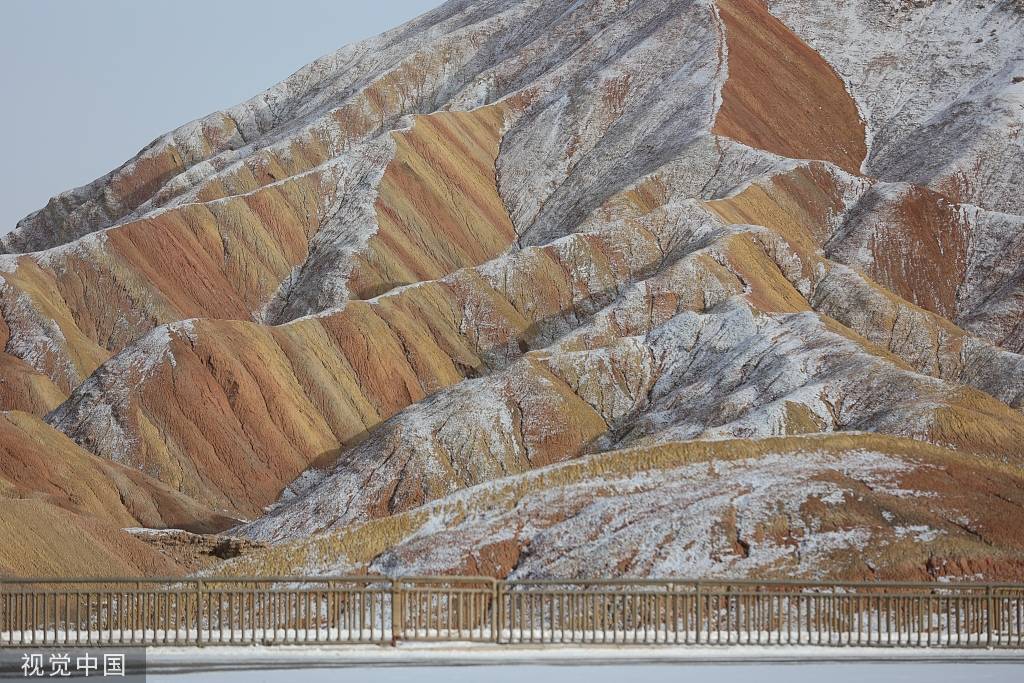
[700, 609]
[396, 611]
[989, 613]
[199, 613]
[498, 610]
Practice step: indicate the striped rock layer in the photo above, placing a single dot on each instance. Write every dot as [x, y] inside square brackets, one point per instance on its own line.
[679, 287]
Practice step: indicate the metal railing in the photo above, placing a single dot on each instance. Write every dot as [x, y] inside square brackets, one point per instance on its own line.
[334, 610]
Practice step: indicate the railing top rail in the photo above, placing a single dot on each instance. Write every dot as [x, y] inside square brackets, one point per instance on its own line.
[486, 580]
[178, 580]
[490, 582]
[933, 585]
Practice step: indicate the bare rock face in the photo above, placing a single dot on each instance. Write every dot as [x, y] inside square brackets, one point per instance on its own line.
[194, 552]
[675, 287]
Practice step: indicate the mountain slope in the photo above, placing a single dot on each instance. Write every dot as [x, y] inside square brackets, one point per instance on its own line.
[511, 235]
[846, 506]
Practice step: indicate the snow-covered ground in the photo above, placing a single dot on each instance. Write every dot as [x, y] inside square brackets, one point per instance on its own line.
[763, 673]
[425, 663]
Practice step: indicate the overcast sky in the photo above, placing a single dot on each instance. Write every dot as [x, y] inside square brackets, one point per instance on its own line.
[86, 85]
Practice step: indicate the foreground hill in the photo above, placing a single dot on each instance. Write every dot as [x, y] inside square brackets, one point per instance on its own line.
[855, 506]
[729, 287]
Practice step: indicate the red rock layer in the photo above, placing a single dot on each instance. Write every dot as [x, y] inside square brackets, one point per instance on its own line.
[438, 208]
[38, 462]
[782, 96]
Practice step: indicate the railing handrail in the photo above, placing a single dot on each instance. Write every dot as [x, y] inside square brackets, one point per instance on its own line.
[491, 581]
[194, 579]
[766, 582]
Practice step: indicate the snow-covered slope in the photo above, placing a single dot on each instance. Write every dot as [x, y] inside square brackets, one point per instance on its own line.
[853, 506]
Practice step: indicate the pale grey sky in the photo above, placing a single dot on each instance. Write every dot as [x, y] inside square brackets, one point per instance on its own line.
[87, 84]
